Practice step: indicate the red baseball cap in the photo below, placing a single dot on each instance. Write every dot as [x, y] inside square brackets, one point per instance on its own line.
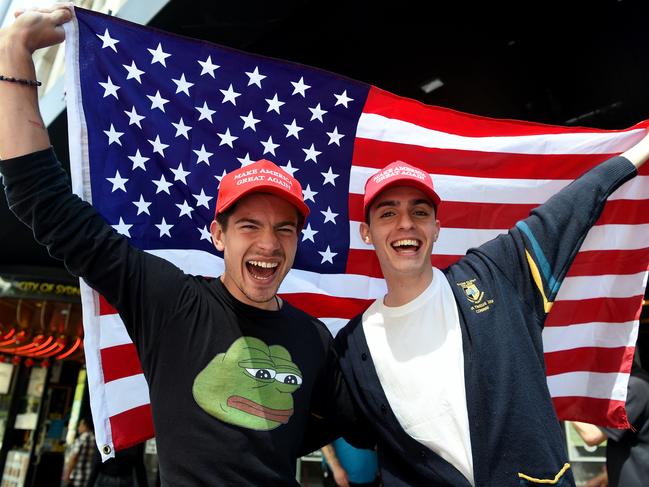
[262, 176]
[399, 173]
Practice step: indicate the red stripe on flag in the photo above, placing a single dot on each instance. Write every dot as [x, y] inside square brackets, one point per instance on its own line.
[105, 308]
[378, 154]
[607, 310]
[120, 361]
[594, 262]
[590, 359]
[132, 427]
[389, 105]
[591, 410]
[328, 306]
[365, 262]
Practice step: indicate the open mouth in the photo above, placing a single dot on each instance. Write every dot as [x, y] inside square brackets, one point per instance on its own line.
[406, 245]
[246, 405]
[261, 270]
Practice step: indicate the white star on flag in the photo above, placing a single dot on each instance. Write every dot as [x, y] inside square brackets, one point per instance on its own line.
[255, 77]
[181, 128]
[227, 138]
[133, 72]
[118, 182]
[202, 199]
[329, 177]
[230, 95]
[343, 99]
[107, 41]
[164, 228]
[293, 129]
[185, 209]
[327, 255]
[289, 168]
[142, 206]
[245, 161]
[110, 89]
[206, 112]
[311, 154]
[158, 146]
[329, 215]
[134, 117]
[269, 146]
[162, 185]
[203, 155]
[208, 67]
[218, 178]
[113, 135]
[159, 55]
[317, 113]
[249, 121]
[180, 174]
[205, 233]
[308, 194]
[138, 160]
[308, 233]
[299, 87]
[182, 84]
[334, 137]
[274, 104]
[157, 101]
[122, 228]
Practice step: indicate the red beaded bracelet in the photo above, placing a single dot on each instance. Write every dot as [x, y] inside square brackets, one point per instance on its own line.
[27, 82]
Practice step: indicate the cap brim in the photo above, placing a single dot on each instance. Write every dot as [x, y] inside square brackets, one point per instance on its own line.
[300, 205]
[410, 183]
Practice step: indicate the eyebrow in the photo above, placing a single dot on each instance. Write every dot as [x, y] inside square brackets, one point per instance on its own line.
[419, 201]
[258, 223]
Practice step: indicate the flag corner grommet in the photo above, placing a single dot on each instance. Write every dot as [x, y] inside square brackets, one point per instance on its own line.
[106, 449]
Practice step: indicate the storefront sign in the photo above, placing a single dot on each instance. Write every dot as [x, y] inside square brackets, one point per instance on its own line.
[15, 287]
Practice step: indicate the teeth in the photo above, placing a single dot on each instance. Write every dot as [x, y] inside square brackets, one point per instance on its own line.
[259, 263]
[412, 242]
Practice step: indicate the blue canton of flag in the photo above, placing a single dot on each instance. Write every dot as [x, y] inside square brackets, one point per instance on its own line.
[167, 117]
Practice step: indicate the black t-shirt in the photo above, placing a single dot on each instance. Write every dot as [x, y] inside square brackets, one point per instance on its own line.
[233, 388]
[627, 451]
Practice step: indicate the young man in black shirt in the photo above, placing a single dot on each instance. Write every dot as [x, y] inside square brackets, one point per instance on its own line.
[235, 375]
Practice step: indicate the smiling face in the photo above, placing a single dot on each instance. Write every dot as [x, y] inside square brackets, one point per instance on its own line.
[403, 228]
[258, 247]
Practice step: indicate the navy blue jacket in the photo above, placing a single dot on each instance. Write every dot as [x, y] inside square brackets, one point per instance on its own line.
[503, 291]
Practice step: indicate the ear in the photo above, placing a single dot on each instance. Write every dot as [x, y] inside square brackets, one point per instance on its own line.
[438, 227]
[364, 230]
[217, 236]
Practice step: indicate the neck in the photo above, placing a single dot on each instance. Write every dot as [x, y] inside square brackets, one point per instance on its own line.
[404, 288]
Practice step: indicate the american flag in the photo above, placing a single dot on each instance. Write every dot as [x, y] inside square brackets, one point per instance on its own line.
[156, 120]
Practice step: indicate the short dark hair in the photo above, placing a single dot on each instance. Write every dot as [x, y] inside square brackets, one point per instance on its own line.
[224, 217]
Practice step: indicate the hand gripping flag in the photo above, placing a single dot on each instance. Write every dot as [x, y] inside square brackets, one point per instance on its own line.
[156, 120]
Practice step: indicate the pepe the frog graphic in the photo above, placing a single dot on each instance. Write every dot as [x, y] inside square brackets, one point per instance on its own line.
[250, 385]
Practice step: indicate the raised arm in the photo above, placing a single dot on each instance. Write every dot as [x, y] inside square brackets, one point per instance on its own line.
[22, 130]
[639, 153]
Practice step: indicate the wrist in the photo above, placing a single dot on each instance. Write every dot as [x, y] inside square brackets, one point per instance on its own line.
[15, 58]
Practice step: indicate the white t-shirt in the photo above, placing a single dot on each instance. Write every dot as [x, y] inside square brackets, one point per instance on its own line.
[417, 352]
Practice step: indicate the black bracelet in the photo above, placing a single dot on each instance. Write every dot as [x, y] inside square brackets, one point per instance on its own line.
[28, 82]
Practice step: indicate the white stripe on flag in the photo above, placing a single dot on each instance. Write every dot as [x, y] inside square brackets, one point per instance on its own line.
[334, 324]
[126, 393]
[378, 127]
[606, 286]
[501, 190]
[606, 335]
[113, 331]
[589, 384]
[617, 237]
